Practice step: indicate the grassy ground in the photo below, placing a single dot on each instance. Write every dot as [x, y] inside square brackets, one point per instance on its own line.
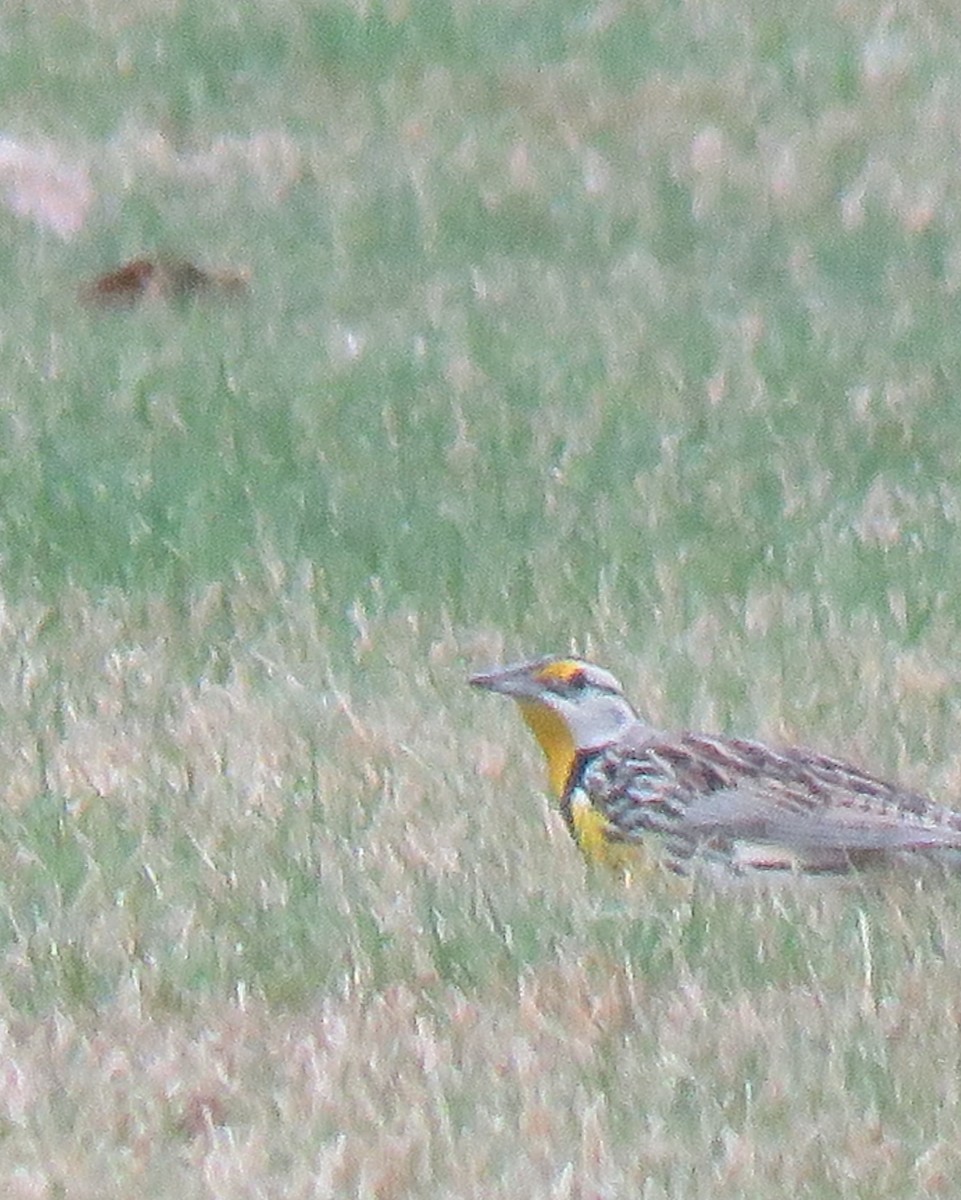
[627, 327]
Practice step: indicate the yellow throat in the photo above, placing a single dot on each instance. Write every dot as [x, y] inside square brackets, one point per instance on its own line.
[554, 739]
[589, 827]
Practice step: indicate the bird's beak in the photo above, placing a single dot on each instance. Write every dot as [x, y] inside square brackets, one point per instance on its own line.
[508, 681]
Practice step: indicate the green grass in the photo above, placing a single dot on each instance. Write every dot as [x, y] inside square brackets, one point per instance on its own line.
[629, 328]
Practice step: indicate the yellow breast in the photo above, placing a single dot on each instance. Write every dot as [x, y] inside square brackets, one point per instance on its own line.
[591, 830]
[592, 834]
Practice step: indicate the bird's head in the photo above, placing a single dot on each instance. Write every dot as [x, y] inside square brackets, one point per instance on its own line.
[570, 704]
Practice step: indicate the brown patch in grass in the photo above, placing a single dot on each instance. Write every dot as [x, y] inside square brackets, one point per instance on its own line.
[202, 1111]
[160, 279]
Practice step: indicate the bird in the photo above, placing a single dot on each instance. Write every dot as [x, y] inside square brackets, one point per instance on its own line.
[633, 796]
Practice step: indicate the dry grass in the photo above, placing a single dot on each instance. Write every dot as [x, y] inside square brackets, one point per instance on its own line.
[292, 934]
[582, 1082]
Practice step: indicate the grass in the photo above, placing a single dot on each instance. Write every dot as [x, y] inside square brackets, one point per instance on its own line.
[630, 328]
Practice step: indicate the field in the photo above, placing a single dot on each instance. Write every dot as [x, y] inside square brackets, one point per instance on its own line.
[632, 328]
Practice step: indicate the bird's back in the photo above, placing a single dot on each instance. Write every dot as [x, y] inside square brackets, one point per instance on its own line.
[756, 805]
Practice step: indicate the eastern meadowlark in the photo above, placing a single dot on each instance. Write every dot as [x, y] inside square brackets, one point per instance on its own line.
[630, 792]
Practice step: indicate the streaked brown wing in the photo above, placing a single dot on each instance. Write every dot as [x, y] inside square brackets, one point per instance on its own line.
[700, 787]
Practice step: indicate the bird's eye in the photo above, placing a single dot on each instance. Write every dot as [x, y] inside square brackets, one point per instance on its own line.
[577, 680]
